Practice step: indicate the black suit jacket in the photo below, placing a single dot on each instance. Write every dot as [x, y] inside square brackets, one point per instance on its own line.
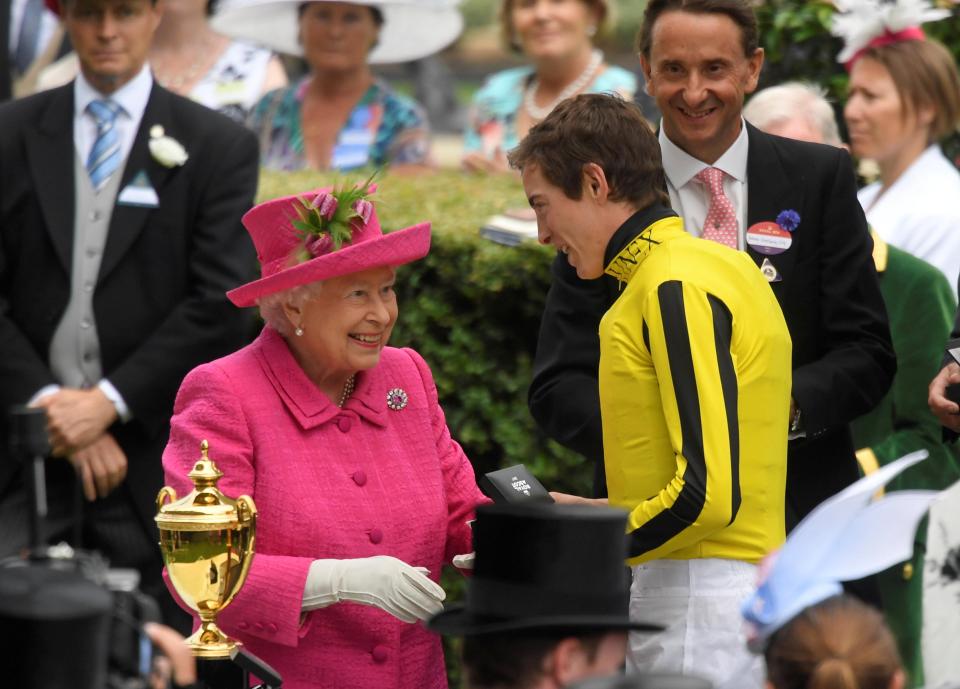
[843, 360]
[6, 78]
[159, 299]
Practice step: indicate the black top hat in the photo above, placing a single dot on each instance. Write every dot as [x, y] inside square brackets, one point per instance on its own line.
[542, 566]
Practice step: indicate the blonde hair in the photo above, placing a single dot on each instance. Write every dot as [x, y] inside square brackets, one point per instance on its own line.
[925, 76]
[839, 643]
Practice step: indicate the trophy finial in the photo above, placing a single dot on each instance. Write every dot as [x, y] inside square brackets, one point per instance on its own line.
[205, 473]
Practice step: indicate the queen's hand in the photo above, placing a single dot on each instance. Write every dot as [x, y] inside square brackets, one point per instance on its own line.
[381, 581]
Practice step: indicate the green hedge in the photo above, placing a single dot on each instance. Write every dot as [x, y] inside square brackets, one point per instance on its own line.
[472, 309]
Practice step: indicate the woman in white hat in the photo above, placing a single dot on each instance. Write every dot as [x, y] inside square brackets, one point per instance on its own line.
[362, 495]
[340, 116]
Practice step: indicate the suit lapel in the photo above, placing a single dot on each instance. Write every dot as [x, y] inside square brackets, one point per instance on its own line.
[128, 221]
[50, 155]
[770, 191]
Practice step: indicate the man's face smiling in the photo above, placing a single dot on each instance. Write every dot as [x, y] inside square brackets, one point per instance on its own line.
[698, 74]
[568, 224]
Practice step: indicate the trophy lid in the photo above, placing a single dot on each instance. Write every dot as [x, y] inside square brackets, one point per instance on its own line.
[205, 506]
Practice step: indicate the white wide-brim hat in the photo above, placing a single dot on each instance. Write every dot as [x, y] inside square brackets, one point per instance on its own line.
[412, 29]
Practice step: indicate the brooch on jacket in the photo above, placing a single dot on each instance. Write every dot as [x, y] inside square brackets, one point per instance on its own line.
[397, 399]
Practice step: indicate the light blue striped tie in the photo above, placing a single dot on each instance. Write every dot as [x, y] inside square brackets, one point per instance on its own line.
[104, 157]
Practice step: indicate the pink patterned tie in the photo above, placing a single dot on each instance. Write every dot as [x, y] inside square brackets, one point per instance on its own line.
[720, 225]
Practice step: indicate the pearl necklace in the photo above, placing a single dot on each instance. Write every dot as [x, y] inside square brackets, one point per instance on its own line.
[347, 390]
[575, 86]
[175, 82]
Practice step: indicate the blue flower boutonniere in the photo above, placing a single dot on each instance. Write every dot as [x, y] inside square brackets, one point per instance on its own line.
[788, 219]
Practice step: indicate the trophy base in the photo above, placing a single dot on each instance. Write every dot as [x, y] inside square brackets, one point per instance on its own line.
[210, 642]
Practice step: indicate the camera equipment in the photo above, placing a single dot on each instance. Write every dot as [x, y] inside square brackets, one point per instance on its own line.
[51, 621]
[54, 627]
[29, 443]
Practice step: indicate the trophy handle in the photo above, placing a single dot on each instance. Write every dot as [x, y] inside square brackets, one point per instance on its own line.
[246, 511]
[165, 492]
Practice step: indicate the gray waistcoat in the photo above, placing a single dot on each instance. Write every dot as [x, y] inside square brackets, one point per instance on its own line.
[75, 348]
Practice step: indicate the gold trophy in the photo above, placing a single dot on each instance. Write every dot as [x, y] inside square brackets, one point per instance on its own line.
[206, 540]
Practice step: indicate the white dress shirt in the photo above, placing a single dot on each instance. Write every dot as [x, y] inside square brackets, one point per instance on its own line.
[691, 199]
[132, 98]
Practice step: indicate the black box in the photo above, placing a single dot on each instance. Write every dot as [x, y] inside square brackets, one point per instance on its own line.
[512, 485]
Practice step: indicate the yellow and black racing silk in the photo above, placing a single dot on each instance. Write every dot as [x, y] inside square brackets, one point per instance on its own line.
[695, 372]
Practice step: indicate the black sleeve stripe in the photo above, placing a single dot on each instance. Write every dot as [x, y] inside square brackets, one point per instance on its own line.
[646, 335]
[691, 499]
[723, 335]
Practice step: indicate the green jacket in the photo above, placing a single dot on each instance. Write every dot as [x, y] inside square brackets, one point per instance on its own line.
[920, 306]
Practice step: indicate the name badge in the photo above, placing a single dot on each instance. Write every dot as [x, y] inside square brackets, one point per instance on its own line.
[768, 238]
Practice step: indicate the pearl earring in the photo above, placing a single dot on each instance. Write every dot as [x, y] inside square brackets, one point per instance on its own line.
[591, 31]
[298, 332]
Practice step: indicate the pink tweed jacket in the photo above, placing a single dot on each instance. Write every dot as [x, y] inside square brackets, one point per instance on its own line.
[329, 483]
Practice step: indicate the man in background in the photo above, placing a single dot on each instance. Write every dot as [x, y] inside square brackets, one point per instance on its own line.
[791, 206]
[30, 39]
[120, 208]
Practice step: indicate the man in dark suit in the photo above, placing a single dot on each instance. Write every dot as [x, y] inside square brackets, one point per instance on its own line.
[120, 208]
[31, 38]
[792, 206]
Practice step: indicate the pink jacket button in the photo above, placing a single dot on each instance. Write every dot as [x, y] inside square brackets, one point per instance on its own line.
[376, 535]
[258, 626]
[243, 625]
[271, 627]
[380, 654]
[360, 477]
[344, 423]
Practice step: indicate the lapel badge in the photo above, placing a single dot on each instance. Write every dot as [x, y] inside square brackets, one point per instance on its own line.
[770, 271]
[768, 238]
[397, 399]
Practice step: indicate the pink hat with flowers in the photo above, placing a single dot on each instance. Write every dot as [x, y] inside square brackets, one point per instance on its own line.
[322, 234]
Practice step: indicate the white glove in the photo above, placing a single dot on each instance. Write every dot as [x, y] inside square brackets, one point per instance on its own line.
[464, 561]
[382, 581]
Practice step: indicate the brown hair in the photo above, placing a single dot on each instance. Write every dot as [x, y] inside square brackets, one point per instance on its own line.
[740, 11]
[515, 659]
[603, 129]
[839, 643]
[925, 76]
[505, 16]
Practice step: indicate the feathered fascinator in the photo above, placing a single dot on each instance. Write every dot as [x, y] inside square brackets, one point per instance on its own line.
[847, 537]
[864, 24]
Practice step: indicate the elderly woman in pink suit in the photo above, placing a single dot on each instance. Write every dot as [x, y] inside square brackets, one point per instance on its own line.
[340, 440]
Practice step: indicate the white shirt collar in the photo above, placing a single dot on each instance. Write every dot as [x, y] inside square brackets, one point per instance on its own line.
[681, 167]
[132, 96]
